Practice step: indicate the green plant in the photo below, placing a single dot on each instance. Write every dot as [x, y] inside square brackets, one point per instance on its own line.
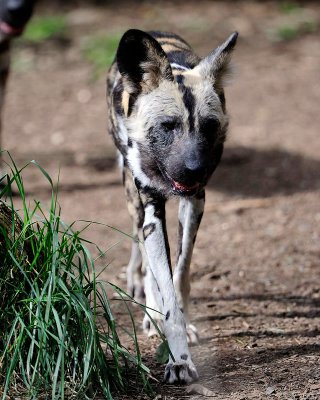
[43, 28]
[294, 23]
[100, 51]
[293, 30]
[287, 32]
[58, 334]
[288, 7]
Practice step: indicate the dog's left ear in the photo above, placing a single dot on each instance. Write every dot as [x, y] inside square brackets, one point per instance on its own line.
[216, 65]
[142, 62]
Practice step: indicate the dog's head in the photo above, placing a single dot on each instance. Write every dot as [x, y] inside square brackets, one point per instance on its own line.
[177, 122]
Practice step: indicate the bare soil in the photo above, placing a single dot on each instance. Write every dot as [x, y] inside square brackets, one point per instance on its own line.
[255, 271]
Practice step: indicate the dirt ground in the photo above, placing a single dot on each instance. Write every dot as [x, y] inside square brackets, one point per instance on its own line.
[255, 271]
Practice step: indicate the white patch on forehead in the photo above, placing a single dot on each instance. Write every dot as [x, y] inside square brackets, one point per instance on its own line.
[207, 100]
[167, 101]
[164, 101]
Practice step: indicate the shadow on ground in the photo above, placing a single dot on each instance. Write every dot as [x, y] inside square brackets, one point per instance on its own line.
[250, 172]
[243, 171]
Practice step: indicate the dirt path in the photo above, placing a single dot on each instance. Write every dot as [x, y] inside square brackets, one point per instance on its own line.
[255, 271]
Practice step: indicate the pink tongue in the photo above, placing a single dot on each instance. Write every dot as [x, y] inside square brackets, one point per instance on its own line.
[180, 186]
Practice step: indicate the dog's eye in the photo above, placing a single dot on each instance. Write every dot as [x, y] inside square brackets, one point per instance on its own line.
[210, 126]
[169, 126]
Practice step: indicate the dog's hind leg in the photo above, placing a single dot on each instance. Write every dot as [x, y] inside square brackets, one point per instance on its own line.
[135, 273]
[137, 264]
[190, 214]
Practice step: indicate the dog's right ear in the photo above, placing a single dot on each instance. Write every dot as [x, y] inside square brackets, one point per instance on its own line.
[142, 62]
[216, 65]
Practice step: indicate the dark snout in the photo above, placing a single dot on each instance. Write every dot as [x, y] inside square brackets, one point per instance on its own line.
[188, 167]
[195, 167]
[194, 162]
[191, 168]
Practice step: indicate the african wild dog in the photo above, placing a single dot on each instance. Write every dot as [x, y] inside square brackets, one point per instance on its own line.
[168, 120]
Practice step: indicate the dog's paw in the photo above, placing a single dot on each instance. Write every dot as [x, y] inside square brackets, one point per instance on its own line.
[192, 334]
[180, 372]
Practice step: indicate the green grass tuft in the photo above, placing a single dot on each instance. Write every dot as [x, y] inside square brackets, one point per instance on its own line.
[293, 24]
[287, 32]
[40, 29]
[58, 334]
[100, 51]
[288, 7]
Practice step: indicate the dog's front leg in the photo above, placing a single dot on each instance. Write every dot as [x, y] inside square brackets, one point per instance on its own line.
[180, 368]
[190, 214]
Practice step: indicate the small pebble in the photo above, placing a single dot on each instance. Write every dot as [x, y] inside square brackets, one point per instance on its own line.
[270, 390]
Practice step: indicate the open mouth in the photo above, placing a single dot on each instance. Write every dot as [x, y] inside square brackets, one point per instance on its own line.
[181, 188]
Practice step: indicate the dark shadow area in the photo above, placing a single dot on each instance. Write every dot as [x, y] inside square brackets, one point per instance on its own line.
[276, 297]
[243, 171]
[103, 162]
[68, 188]
[263, 334]
[270, 333]
[250, 172]
[87, 186]
[272, 355]
[217, 317]
[64, 159]
[283, 314]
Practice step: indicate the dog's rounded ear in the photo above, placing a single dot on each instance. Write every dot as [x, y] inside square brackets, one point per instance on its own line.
[217, 64]
[142, 62]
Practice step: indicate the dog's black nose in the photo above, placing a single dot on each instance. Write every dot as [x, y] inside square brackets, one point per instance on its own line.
[195, 170]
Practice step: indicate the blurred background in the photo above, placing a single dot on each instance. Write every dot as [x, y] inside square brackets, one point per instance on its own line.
[255, 269]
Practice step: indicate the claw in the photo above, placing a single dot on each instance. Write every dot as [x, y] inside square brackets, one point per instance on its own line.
[180, 373]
